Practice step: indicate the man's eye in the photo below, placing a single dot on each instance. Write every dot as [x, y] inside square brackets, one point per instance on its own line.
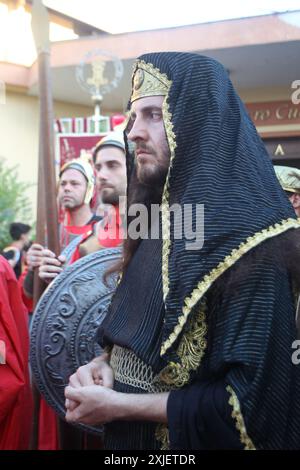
[113, 165]
[155, 115]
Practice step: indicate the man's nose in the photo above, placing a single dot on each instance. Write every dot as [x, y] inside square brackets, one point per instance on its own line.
[137, 131]
[102, 175]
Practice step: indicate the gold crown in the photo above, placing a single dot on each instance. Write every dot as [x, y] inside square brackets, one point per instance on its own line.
[148, 81]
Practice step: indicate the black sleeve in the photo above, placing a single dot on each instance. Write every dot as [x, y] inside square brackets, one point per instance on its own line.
[211, 428]
[251, 329]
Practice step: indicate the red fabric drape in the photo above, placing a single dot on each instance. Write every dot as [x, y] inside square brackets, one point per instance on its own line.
[48, 428]
[15, 393]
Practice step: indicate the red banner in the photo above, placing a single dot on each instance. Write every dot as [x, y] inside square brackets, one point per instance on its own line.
[69, 146]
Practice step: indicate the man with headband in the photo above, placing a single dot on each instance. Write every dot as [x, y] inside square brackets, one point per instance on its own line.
[199, 333]
[75, 191]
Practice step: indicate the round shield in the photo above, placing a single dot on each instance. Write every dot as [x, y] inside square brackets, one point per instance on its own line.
[65, 323]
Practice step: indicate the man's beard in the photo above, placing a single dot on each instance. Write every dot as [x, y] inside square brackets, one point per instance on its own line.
[151, 174]
[110, 197]
[72, 205]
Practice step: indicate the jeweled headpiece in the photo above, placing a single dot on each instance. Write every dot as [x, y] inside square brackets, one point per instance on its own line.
[148, 81]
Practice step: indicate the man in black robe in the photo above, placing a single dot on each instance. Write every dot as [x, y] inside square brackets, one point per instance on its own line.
[200, 330]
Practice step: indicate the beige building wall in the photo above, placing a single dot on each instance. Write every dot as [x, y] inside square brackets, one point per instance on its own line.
[19, 124]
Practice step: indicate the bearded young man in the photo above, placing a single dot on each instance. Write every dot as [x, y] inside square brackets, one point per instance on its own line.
[110, 167]
[76, 189]
[198, 341]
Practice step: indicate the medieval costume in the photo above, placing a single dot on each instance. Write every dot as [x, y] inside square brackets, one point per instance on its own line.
[214, 325]
[15, 396]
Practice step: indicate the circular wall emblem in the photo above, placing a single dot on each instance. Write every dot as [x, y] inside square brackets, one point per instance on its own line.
[99, 72]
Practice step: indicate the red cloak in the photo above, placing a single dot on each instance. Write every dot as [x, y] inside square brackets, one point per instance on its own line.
[15, 393]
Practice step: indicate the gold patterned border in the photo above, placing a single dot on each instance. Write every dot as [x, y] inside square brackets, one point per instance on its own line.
[165, 210]
[190, 351]
[171, 138]
[238, 417]
[229, 261]
[162, 435]
[148, 80]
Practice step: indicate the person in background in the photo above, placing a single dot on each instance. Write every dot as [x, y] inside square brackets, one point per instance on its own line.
[110, 164]
[110, 167]
[75, 191]
[289, 178]
[19, 233]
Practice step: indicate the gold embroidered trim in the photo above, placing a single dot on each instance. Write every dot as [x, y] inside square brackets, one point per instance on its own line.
[162, 435]
[238, 417]
[165, 210]
[131, 370]
[190, 350]
[229, 261]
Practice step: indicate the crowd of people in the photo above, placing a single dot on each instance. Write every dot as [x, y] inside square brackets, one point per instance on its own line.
[197, 339]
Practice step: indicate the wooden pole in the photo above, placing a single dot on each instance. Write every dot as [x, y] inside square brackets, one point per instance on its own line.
[38, 288]
[40, 28]
[47, 216]
[38, 284]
